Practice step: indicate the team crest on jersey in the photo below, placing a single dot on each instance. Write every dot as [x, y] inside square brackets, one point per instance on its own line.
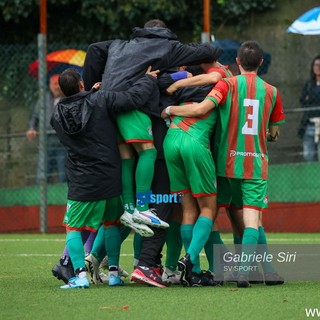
[266, 200]
[150, 131]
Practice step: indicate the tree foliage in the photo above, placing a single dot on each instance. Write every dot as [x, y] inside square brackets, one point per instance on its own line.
[240, 12]
[87, 21]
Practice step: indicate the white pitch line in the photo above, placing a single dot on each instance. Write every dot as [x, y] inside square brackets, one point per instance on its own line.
[122, 255]
[293, 239]
[39, 240]
[58, 255]
[224, 240]
[32, 240]
[48, 255]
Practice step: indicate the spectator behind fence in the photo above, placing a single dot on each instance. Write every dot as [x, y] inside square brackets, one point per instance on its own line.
[309, 129]
[55, 152]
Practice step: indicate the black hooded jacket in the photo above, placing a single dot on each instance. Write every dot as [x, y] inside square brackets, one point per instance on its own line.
[84, 125]
[120, 63]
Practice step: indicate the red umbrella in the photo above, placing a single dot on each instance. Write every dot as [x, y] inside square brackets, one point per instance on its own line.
[60, 60]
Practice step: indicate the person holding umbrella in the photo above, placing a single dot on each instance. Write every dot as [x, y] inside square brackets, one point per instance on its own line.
[55, 151]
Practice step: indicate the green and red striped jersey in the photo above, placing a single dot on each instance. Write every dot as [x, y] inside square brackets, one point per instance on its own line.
[223, 70]
[201, 128]
[247, 105]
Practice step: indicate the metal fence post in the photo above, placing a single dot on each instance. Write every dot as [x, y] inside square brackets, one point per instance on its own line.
[42, 49]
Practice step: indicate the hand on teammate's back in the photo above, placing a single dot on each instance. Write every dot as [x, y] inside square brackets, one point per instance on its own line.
[96, 86]
[152, 73]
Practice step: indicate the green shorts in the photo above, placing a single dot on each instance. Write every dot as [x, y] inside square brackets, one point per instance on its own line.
[88, 215]
[249, 193]
[134, 126]
[190, 164]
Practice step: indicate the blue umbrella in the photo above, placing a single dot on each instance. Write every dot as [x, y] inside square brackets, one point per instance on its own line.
[307, 24]
[230, 49]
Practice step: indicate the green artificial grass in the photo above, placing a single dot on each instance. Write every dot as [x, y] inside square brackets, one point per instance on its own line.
[29, 291]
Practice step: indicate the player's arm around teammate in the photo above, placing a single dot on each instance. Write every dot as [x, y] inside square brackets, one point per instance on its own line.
[249, 106]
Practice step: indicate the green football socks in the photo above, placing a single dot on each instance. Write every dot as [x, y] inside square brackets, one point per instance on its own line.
[214, 238]
[186, 236]
[266, 265]
[75, 248]
[98, 249]
[128, 184]
[144, 177]
[124, 232]
[137, 240]
[200, 235]
[113, 244]
[174, 245]
[249, 246]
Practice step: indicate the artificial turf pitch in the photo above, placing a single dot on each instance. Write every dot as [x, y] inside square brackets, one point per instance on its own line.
[29, 291]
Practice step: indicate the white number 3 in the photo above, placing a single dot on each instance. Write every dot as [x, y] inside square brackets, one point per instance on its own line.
[251, 125]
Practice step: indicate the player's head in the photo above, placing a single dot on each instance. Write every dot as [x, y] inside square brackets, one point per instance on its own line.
[195, 70]
[250, 55]
[155, 23]
[70, 82]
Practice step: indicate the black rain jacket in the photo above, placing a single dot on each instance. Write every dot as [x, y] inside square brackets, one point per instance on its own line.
[123, 62]
[84, 125]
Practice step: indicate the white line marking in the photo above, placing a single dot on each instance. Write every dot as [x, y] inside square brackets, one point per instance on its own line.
[129, 239]
[32, 240]
[30, 255]
[40, 240]
[48, 255]
[293, 239]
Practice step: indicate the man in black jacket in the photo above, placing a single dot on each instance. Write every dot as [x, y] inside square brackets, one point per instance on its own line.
[119, 63]
[83, 122]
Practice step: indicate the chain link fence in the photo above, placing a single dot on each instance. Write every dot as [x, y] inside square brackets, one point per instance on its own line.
[294, 178]
[18, 102]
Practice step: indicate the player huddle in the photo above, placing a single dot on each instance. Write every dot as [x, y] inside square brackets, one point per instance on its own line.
[153, 126]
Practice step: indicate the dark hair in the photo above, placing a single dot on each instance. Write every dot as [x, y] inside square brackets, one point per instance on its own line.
[312, 74]
[69, 81]
[195, 70]
[155, 23]
[250, 55]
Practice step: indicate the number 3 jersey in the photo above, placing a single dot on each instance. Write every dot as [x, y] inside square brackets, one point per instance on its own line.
[247, 105]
